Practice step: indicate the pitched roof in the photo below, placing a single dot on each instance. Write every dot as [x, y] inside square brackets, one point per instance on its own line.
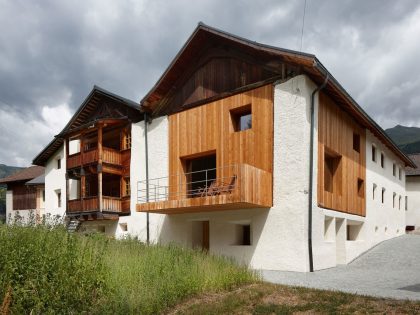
[88, 105]
[309, 64]
[40, 180]
[28, 173]
[413, 171]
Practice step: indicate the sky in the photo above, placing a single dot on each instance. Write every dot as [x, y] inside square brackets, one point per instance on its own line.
[53, 52]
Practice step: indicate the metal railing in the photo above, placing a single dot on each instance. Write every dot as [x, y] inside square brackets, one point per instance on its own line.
[202, 183]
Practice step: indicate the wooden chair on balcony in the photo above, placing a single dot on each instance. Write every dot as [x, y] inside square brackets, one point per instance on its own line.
[228, 188]
[217, 189]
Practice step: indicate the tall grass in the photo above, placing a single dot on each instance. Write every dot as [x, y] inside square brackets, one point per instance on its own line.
[44, 269]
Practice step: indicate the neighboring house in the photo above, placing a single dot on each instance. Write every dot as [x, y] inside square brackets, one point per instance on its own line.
[25, 195]
[249, 151]
[413, 194]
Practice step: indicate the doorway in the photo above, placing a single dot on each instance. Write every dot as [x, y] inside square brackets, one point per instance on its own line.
[200, 174]
[201, 235]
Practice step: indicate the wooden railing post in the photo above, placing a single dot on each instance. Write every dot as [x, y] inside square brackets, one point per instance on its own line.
[100, 156]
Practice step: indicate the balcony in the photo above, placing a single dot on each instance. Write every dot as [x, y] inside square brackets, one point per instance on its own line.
[232, 187]
[110, 156]
[91, 204]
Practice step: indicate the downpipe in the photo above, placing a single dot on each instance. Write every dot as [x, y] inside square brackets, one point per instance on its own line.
[146, 151]
[311, 171]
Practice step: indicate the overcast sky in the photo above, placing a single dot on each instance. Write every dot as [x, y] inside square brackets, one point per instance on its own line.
[53, 52]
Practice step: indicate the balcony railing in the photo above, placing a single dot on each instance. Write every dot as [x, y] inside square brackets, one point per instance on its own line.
[91, 204]
[236, 186]
[110, 156]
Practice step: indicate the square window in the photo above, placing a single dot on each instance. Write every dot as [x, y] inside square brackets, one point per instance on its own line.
[243, 234]
[373, 153]
[356, 142]
[241, 118]
[123, 227]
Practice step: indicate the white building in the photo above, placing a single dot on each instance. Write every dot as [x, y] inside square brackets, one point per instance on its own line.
[413, 195]
[250, 151]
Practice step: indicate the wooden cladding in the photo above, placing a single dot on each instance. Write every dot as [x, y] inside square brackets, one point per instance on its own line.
[91, 204]
[24, 197]
[209, 128]
[341, 160]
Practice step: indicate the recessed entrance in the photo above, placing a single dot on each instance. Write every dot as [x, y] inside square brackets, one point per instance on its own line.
[201, 235]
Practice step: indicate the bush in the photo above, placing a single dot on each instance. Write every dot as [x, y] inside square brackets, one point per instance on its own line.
[44, 269]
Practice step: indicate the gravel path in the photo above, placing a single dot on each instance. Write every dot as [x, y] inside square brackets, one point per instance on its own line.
[391, 269]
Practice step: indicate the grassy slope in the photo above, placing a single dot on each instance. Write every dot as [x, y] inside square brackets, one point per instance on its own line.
[48, 271]
[263, 298]
[407, 138]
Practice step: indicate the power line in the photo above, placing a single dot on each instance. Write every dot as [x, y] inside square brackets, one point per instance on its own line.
[303, 26]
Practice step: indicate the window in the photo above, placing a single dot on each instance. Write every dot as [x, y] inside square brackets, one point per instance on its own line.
[382, 160]
[58, 163]
[360, 188]
[43, 195]
[126, 139]
[201, 175]
[354, 231]
[383, 195]
[356, 142]
[58, 192]
[332, 172]
[373, 153]
[406, 203]
[399, 173]
[123, 227]
[399, 203]
[241, 118]
[374, 191]
[394, 196]
[243, 234]
[394, 169]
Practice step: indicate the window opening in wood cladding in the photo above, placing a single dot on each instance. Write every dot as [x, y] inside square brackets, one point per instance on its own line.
[382, 160]
[200, 173]
[373, 153]
[356, 142]
[332, 172]
[241, 118]
[360, 188]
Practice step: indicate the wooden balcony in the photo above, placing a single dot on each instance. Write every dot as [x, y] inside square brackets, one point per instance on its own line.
[110, 156]
[91, 204]
[242, 186]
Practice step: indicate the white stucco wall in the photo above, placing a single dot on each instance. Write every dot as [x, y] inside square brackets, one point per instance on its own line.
[55, 179]
[413, 205]
[9, 205]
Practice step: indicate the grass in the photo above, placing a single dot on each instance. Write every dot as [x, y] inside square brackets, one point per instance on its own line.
[45, 270]
[263, 298]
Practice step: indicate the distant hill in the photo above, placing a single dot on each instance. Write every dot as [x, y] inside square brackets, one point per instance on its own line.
[407, 138]
[8, 170]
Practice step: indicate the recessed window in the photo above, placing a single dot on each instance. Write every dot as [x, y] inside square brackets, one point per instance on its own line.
[394, 169]
[43, 195]
[241, 118]
[399, 173]
[58, 192]
[394, 196]
[406, 203]
[374, 191]
[354, 232]
[123, 227]
[360, 188]
[373, 153]
[58, 163]
[332, 172]
[399, 203]
[243, 234]
[383, 195]
[329, 228]
[126, 187]
[356, 142]
[382, 160]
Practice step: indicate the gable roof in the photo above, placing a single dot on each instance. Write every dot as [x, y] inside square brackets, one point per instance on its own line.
[26, 174]
[413, 171]
[308, 63]
[40, 180]
[85, 109]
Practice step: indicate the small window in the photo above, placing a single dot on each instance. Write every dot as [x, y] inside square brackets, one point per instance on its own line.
[241, 118]
[59, 198]
[43, 195]
[394, 169]
[356, 142]
[406, 203]
[127, 189]
[123, 227]
[243, 234]
[382, 160]
[399, 173]
[394, 196]
[374, 191]
[360, 188]
[373, 153]
[354, 232]
[58, 163]
[383, 195]
[399, 203]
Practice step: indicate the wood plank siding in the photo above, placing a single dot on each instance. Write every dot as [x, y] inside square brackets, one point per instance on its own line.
[210, 129]
[24, 197]
[341, 160]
